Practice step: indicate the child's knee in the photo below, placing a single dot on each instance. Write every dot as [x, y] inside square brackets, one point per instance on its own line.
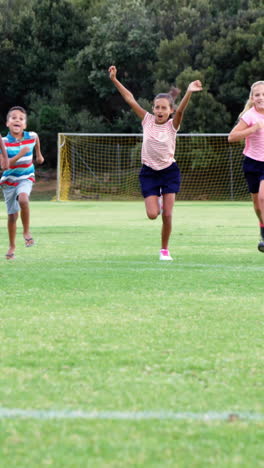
[152, 214]
[260, 201]
[12, 218]
[23, 200]
[167, 217]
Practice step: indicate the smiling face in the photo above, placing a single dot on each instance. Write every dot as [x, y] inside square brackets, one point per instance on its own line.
[16, 122]
[257, 97]
[162, 110]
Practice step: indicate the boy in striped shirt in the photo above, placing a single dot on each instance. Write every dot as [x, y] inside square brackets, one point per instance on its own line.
[18, 179]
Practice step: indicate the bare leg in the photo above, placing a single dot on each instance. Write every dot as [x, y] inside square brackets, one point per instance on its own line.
[168, 202]
[261, 201]
[258, 202]
[11, 227]
[152, 206]
[153, 210]
[257, 207]
[25, 218]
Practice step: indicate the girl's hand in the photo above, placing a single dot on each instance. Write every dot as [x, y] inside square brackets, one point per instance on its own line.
[112, 72]
[260, 124]
[195, 86]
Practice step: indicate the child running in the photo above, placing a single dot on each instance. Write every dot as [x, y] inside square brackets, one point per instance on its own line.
[17, 181]
[251, 128]
[159, 176]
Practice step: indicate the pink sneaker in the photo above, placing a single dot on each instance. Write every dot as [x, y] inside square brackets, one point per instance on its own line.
[165, 255]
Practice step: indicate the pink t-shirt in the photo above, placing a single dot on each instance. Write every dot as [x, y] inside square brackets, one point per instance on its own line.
[159, 142]
[254, 147]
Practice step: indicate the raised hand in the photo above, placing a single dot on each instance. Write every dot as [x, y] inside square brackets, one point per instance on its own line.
[112, 72]
[195, 86]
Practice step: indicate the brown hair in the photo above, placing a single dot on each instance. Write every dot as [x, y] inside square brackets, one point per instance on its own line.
[170, 96]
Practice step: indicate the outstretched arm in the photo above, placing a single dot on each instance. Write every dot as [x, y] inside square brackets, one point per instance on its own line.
[242, 130]
[193, 87]
[126, 94]
[4, 157]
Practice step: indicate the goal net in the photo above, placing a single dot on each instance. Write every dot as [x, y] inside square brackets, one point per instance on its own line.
[106, 166]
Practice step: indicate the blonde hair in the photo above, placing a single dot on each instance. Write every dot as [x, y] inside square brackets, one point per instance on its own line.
[249, 102]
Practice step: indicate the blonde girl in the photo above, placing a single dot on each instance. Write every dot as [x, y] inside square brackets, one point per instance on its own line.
[251, 128]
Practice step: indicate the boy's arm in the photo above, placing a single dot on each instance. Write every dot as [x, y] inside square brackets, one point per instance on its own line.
[19, 155]
[4, 157]
[25, 150]
[126, 94]
[39, 157]
[193, 87]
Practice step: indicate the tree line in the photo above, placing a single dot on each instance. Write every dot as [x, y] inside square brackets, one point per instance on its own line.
[55, 55]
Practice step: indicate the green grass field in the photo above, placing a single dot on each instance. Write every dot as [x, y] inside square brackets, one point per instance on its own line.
[119, 360]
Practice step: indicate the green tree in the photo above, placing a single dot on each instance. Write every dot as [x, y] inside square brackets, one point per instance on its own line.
[173, 57]
[55, 55]
[58, 32]
[38, 42]
[11, 12]
[233, 58]
[204, 113]
[122, 35]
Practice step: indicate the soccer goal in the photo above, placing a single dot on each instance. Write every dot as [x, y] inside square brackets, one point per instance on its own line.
[106, 166]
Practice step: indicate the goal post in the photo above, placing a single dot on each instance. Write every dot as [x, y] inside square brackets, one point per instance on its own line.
[106, 166]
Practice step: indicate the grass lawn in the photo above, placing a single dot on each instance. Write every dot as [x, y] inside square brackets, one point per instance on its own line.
[119, 360]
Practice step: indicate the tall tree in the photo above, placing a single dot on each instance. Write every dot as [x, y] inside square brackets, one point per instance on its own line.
[44, 37]
[121, 34]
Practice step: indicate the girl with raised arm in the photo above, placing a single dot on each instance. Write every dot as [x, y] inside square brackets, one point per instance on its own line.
[159, 175]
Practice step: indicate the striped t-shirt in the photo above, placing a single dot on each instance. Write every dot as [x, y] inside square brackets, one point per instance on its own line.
[159, 142]
[254, 147]
[24, 167]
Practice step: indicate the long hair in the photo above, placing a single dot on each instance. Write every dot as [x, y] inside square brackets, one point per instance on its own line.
[249, 102]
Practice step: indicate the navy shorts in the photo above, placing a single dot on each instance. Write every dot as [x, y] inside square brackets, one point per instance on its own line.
[159, 182]
[254, 173]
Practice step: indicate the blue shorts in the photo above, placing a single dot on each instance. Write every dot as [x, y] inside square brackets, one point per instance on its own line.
[254, 173]
[11, 193]
[159, 182]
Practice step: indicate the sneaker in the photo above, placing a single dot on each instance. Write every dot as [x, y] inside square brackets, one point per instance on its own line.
[165, 254]
[261, 245]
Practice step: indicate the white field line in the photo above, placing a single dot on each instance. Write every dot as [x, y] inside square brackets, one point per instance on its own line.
[45, 414]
